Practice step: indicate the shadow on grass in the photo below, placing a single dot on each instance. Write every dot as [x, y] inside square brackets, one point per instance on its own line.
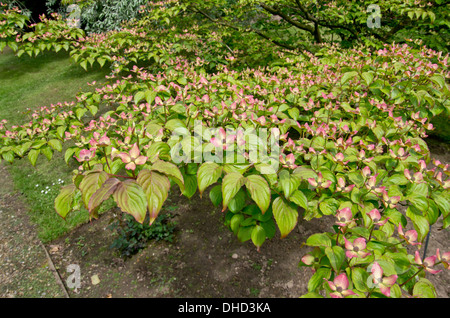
[442, 128]
[13, 67]
[30, 82]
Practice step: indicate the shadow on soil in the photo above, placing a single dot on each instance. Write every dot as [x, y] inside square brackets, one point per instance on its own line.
[205, 259]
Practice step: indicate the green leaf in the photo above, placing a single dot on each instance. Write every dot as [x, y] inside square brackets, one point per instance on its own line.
[90, 184]
[368, 77]
[176, 124]
[114, 166]
[359, 279]
[83, 64]
[299, 198]
[336, 256]
[170, 170]
[357, 178]
[294, 113]
[288, 183]
[270, 227]
[55, 144]
[101, 61]
[360, 231]
[60, 131]
[258, 236]
[190, 185]
[157, 150]
[420, 202]
[207, 174]
[420, 222]
[442, 202]
[33, 155]
[259, 191]
[432, 214]
[285, 214]
[329, 206]
[192, 168]
[131, 199]
[138, 97]
[401, 262]
[396, 291]
[318, 278]
[23, 148]
[424, 289]
[417, 189]
[92, 109]
[438, 79]
[304, 173]
[398, 179]
[156, 188]
[102, 194]
[244, 233]
[239, 168]
[446, 222]
[235, 222]
[64, 200]
[216, 195]
[182, 81]
[347, 76]
[373, 245]
[319, 239]
[79, 112]
[355, 195]
[150, 96]
[237, 203]
[387, 265]
[395, 217]
[8, 156]
[47, 151]
[232, 183]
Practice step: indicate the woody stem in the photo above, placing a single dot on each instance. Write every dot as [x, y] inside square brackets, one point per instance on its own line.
[411, 277]
[106, 158]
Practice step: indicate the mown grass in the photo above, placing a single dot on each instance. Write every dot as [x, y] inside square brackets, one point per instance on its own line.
[30, 82]
[27, 83]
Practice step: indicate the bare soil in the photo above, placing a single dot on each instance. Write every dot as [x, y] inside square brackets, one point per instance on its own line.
[24, 266]
[205, 260]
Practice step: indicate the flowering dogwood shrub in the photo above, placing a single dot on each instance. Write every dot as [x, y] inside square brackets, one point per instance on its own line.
[49, 34]
[339, 134]
[11, 21]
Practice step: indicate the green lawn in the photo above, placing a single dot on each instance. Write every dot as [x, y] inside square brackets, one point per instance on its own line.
[27, 83]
